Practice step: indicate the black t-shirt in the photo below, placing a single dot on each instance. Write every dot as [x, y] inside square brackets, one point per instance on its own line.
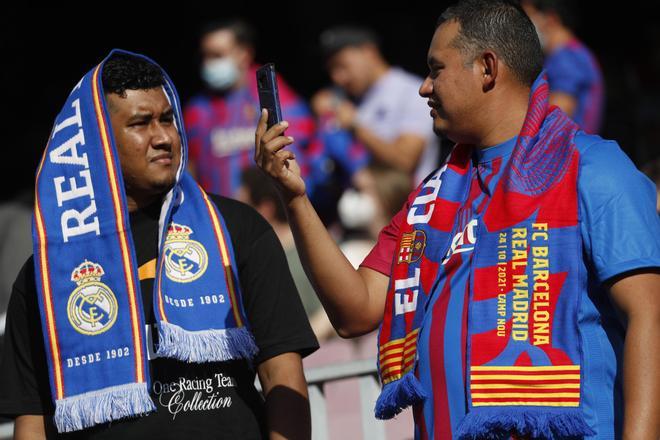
[200, 401]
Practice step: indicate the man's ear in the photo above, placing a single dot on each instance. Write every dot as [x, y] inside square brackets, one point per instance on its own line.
[371, 50]
[488, 63]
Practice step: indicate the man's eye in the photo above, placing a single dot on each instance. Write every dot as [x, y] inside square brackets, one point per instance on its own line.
[137, 123]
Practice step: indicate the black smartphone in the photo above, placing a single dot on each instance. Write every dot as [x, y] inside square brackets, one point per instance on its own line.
[269, 97]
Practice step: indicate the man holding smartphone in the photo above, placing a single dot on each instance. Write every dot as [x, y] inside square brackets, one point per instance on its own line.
[512, 274]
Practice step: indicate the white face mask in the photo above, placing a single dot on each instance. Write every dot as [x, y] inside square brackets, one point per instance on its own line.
[356, 210]
[220, 73]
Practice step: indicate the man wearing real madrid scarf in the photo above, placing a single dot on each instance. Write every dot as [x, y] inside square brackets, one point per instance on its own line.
[109, 155]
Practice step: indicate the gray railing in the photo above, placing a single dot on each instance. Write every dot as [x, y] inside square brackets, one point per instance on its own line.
[6, 430]
[365, 372]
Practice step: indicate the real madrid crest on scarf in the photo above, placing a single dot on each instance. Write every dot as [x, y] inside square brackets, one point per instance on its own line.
[185, 259]
[92, 306]
[86, 275]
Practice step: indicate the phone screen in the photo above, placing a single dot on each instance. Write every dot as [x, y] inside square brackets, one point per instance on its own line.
[268, 95]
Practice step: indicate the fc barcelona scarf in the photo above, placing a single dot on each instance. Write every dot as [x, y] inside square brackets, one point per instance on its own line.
[87, 278]
[524, 356]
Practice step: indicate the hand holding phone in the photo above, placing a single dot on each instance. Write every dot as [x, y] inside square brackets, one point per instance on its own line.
[268, 94]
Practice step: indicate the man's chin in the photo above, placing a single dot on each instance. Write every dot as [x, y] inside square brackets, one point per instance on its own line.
[439, 128]
[162, 186]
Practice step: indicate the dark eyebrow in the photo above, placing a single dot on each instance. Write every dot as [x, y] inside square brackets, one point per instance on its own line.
[140, 116]
[431, 61]
[169, 112]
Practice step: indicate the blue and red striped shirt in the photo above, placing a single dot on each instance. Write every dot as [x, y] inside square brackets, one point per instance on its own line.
[619, 228]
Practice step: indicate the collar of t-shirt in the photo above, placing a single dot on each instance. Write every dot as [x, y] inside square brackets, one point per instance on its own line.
[490, 162]
[483, 155]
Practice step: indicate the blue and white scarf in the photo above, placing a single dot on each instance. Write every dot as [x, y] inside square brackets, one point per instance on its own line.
[87, 278]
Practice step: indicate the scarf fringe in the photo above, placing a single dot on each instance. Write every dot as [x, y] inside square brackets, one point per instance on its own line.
[95, 407]
[398, 395]
[537, 423]
[205, 345]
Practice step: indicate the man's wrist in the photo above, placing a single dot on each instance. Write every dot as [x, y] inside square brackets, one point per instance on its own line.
[297, 202]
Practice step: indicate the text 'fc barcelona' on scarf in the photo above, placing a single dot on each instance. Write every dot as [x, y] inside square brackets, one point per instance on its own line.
[523, 355]
[87, 278]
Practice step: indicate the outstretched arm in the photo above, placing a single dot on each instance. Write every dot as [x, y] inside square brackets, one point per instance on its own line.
[353, 299]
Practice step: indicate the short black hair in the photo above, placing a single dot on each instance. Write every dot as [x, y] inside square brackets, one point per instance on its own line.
[337, 38]
[243, 32]
[565, 9]
[501, 26]
[127, 72]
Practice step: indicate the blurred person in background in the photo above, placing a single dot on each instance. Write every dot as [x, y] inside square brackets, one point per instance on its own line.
[256, 191]
[15, 245]
[576, 81]
[220, 121]
[652, 170]
[377, 193]
[375, 102]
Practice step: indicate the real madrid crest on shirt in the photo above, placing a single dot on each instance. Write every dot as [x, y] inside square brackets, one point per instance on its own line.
[412, 246]
[92, 307]
[185, 259]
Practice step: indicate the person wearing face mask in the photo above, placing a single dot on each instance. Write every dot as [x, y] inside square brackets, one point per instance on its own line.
[575, 78]
[376, 194]
[220, 121]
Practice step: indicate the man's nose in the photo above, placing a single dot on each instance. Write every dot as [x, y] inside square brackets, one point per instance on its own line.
[426, 88]
[161, 136]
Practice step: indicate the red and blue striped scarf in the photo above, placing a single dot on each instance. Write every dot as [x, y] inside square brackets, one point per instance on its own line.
[87, 278]
[524, 376]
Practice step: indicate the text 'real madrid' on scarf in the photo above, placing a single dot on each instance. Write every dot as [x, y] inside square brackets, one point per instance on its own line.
[523, 368]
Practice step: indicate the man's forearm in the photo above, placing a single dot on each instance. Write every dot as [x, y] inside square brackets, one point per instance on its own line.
[29, 427]
[287, 403]
[344, 293]
[642, 379]
[340, 287]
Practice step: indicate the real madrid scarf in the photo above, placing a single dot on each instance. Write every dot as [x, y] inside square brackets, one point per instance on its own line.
[87, 279]
[523, 351]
